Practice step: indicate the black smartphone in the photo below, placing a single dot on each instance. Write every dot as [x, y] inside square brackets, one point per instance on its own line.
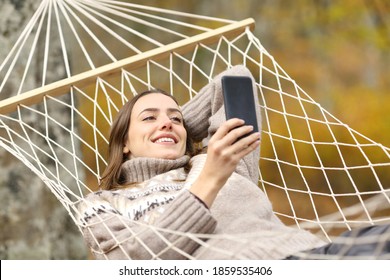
[239, 100]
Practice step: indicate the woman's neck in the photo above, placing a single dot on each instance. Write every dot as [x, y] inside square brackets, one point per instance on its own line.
[140, 169]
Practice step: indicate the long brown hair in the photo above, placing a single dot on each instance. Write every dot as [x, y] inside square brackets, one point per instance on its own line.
[118, 136]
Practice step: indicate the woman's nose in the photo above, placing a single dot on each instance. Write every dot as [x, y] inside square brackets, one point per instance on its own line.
[166, 124]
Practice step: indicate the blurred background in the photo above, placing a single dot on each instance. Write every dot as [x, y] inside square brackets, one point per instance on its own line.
[337, 51]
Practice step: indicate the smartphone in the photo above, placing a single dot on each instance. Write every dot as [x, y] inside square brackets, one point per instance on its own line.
[239, 100]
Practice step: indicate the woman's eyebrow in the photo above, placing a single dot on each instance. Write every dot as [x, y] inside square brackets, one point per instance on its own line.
[149, 110]
[169, 110]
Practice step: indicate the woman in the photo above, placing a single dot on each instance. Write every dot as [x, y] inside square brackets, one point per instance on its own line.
[162, 201]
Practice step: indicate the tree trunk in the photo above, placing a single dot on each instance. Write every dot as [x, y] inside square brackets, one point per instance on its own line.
[34, 224]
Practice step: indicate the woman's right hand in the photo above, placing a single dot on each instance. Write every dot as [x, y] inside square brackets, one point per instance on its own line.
[223, 154]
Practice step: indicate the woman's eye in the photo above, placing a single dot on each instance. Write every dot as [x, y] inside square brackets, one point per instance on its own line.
[149, 118]
[177, 119]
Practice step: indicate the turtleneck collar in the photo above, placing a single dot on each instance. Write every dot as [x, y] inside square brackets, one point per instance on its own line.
[137, 170]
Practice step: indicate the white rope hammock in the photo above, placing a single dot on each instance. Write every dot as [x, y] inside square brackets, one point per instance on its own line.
[319, 173]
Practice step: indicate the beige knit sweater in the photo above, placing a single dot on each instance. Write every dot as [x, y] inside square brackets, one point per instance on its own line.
[160, 219]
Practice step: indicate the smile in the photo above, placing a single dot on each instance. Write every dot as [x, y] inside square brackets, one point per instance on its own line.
[165, 140]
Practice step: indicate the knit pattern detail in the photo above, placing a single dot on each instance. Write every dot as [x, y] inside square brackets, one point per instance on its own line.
[141, 169]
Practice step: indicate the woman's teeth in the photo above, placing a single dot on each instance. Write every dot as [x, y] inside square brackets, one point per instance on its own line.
[165, 139]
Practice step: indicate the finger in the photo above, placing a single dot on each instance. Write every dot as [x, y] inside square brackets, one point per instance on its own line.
[248, 143]
[245, 150]
[248, 140]
[238, 133]
[226, 127]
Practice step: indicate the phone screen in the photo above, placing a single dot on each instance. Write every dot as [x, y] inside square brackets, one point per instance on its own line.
[239, 100]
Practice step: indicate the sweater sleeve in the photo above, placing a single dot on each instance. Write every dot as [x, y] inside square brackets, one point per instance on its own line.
[113, 236]
[205, 112]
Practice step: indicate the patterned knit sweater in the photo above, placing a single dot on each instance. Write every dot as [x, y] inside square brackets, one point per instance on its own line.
[159, 218]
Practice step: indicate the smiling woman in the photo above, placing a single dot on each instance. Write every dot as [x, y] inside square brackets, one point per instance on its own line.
[156, 131]
[152, 206]
[142, 129]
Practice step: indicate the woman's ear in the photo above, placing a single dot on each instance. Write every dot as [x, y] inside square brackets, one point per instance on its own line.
[126, 150]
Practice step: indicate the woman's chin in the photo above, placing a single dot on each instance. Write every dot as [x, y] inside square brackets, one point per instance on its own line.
[170, 156]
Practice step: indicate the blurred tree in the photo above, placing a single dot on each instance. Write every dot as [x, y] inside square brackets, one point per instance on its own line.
[34, 225]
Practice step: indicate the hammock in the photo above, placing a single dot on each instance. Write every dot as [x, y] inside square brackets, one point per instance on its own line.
[320, 174]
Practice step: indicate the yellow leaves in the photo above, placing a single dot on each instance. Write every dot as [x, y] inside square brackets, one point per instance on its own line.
[365, 110]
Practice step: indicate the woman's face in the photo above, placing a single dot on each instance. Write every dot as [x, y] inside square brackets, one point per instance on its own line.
[156, 129]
